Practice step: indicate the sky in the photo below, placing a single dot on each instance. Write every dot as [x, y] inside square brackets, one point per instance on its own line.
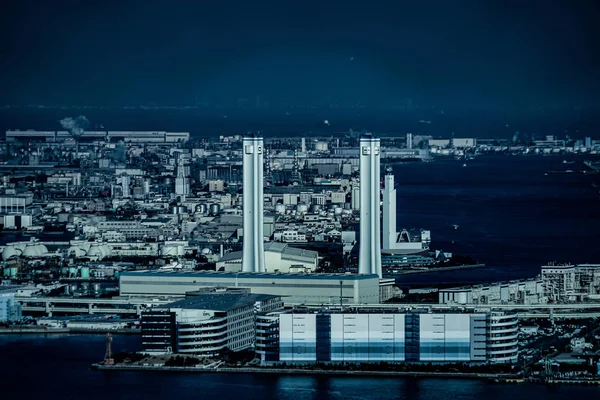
[378, 53]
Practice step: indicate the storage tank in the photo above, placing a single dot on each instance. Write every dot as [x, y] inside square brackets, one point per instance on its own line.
[6, 272]
[280, 209]
[202, 209]
[146, 186]
[215, 209]
[315, 208]
[337, 210]
[72, 271]
[12, 272]
[64, 271]
[84, 272]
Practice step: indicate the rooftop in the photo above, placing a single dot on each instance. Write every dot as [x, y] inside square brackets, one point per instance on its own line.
[247, 275]
[219, 302]
[276, 247]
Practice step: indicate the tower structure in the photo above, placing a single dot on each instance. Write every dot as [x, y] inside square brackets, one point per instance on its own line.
[253, 254]
[369, 261]
[182, 185]
[296, 169]
[389, 211]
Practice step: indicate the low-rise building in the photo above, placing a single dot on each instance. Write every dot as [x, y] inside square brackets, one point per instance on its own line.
[529, 291]
[279, 257]
[293, 287]
[369, 334]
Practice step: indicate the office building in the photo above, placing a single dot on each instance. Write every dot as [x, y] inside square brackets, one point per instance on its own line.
[205, 324]
[10, 311]
[253, 258]
[369, 261]
[571, 283]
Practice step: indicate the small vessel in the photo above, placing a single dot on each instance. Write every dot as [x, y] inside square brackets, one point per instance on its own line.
[568, 162]
[455, 227]
[464, 165]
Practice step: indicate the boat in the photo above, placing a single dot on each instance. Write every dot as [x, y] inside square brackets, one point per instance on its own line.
[464, 165]
[455, 227]
[568, 162]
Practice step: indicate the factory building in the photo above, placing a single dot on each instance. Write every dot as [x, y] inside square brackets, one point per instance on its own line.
[386, 335]
[293, 288]
[369, 261]
[253, 259]
[279, 257]
[530, 291]
[205, 324]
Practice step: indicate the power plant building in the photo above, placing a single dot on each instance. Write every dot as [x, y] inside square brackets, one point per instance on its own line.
[294, 288]
[369, 261]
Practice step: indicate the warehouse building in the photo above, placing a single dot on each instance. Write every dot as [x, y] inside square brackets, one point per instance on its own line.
[293, 288]
[386, 335]
[205, 324]
[279, 257]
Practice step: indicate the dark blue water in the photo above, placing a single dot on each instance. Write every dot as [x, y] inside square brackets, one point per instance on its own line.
[512, 216]
[57, 367]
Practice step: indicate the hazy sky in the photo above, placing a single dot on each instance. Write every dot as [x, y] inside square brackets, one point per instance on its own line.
[497, 52]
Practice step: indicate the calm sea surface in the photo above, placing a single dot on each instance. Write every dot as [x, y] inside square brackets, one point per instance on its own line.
[57, 367]
[512, 216]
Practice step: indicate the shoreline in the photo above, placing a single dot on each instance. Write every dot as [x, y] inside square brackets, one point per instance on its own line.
[291, 371]
[499, 378]
[25, 331]
[432, 270]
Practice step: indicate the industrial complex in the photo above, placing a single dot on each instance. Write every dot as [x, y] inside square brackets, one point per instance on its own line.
[250, 244]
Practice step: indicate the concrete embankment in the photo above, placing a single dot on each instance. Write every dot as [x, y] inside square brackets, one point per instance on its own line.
[291, 371]
[33, 330]
[432, 270]
[39, 330]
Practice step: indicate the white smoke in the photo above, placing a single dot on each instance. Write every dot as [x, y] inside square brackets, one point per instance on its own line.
[76, 126]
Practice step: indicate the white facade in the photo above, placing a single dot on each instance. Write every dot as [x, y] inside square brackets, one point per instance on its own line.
[369, 261]
[293, 288]
[364, 335]
[389, 212]
[253, 259]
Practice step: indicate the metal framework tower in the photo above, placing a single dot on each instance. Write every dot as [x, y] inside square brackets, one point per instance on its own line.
[369, 261]
[253, 254]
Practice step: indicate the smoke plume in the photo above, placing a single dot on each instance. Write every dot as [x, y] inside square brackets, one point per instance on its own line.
[76, 125]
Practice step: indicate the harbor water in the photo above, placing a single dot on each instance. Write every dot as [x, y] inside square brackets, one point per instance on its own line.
[58, 367]
[511, 215]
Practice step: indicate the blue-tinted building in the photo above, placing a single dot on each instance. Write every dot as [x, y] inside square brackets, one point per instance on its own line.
[10, 311]
[376, 335]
